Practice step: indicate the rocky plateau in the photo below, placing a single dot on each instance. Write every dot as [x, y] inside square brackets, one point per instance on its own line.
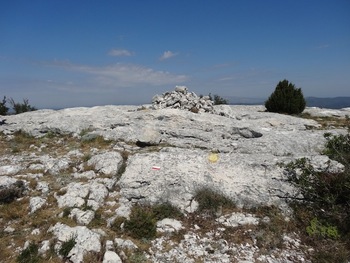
[74, 172]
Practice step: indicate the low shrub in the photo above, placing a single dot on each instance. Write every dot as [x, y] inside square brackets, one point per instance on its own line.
[67, 246]
[166, 210]
[322, 201]
[316, 228]
[142, 223]
[218, 100]
[21, 107]
[211, 201]
[3, 108]
[29, 255]
[9, 194]
[143, 219]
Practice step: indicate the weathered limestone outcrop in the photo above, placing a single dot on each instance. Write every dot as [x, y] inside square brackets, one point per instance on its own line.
[85, 240]
[154, 156]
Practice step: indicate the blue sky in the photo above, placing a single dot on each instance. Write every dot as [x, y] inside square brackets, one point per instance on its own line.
[84, 53]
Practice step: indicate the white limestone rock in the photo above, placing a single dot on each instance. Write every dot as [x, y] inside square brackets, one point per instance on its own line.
[180, 98]
[52, 165]
[182, 89]
[97, 192]
[43, 187]
[109, 245]
[9, 229]
[86, 240]
[169, 225]
[36, 203]
[82, 217]
[238, 219]
[124, 208]
[249, 141]
[59, 165]
[108, 182]
[111, 257]
[106, 163]
[7, 181]
[10, 169]
[249, 181]
[125, 243]
[35, 232]
[45, 246]
[323, 163]
[75, 195]
[87, 175]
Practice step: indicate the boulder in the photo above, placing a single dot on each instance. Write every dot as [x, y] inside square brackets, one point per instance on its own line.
[74, 195]
[10, 169]
[238, 219]
[107, 163]
[125, 244]
[82, 217]
[36, 203]
[169, 225]
[79, 194]
[85, 240]
[111, 257]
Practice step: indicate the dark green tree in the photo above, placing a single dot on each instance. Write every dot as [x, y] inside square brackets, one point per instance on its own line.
[286, 99]
[218, 100]
[3, 108]
[21, 107]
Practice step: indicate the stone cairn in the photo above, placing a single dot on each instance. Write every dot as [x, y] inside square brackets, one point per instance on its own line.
[180, 98]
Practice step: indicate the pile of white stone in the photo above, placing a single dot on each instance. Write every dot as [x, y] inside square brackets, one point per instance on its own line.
[180, 98]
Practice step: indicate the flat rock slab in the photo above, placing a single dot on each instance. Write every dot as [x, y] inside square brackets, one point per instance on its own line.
[174, 175]
[248, 143]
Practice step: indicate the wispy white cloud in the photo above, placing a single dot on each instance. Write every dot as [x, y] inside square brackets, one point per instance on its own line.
[168, 54]
[129, 75]
[120, 53]
[226, 79]
[323, 46]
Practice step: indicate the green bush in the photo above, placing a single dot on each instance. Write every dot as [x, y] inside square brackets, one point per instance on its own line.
[218, 100]
[3, 108]
[143, 219]
[67, 246]
[142, 223]
[29, 255]
[211, 201]
[322, 201]
[316, 228]
[21, 107]
[166, 210]
[9, 194]
[286, 99]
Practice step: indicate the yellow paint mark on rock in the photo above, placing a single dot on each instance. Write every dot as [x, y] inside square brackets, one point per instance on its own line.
[213, 157]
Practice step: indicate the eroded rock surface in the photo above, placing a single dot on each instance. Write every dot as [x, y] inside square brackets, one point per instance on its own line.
[105, 159]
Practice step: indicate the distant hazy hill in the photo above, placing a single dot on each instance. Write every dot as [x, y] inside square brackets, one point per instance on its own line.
[330, 103]
[245, 101]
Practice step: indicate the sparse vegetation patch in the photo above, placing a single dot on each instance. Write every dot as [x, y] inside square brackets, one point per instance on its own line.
[211, 202]
[67, 246]
[322, 203]
[29, 255]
